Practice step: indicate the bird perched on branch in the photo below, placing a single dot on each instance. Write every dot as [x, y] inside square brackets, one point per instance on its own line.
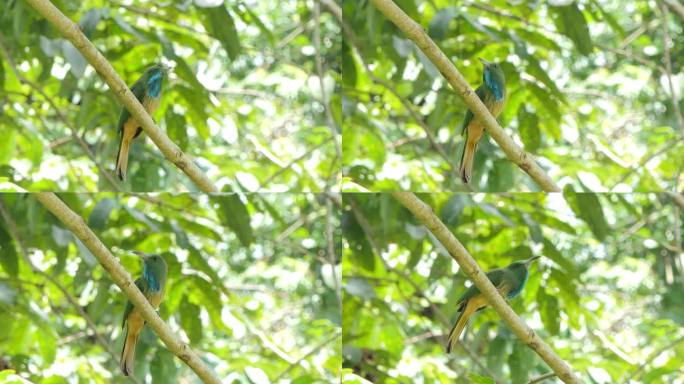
[509, 281]
[151, 284]
[492, 92]
[148, 92]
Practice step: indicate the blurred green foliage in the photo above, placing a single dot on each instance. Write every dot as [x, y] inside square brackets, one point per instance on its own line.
[243, 99]
[606, 294]
[255, 297]
[587, 95]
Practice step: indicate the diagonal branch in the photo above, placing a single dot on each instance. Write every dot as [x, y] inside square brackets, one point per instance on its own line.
[427, 217]
[416, 33]
[80, 229]
[170, 150]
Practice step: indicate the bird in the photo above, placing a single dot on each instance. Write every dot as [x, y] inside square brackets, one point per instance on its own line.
[148, 91]
[492, 93]
[151, 284]
[509, 281]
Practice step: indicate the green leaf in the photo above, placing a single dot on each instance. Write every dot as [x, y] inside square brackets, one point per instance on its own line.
[549, 312]
[361, 251]
[570, 21]
[440, 22]
[190, 320]
[534, 68]
[477, 379]
[496, 354]
[88, 22]
[552, 253]
[349, 73]
[220, 24]
[359, 286]
[520, 362]
[233, 213]
[451, 211]
[8, 253]
[177, 128]
[47, 343]
[528, 126]
[534, 229]
[199, 263]
[501, 178]
[162, 366]
[588, 207]
[416, 254]
[99, 215]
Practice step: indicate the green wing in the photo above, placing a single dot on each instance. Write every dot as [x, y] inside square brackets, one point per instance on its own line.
[138, 90]
[495, 276]
[481, 93]
[140, 283]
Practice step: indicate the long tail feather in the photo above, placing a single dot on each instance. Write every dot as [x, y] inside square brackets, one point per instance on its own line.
[466, 168]
[128, 353]
[461, 322]
[122, 158]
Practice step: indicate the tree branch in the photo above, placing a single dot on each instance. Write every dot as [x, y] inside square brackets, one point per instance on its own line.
[426, 216]
[80, 229]
[171, 151]
[416, 33]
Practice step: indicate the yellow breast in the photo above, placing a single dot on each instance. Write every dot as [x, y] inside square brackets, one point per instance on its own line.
[151, 104]
[155, 298]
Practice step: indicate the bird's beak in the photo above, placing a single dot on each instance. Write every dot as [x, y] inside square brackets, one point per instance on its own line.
[485, 62]
[529, 261]
[141, 254]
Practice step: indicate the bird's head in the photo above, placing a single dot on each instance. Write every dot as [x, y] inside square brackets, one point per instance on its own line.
[154, 77]
[153, 263]
[523, 263]
[494, 78]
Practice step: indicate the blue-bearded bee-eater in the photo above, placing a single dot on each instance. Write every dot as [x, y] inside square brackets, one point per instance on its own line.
[151, 284]
[509, 281]
[148, 91]
[492, 93]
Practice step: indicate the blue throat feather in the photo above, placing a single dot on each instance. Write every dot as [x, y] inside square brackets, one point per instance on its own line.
[154, 84]
[495, 87]
[152, 281]
[515, 293]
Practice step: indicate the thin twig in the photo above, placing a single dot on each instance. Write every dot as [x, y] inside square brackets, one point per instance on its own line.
[541, 378]
[292, 162]
[304, 356]
[321, 83]
[330, 242]
[636, 374]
